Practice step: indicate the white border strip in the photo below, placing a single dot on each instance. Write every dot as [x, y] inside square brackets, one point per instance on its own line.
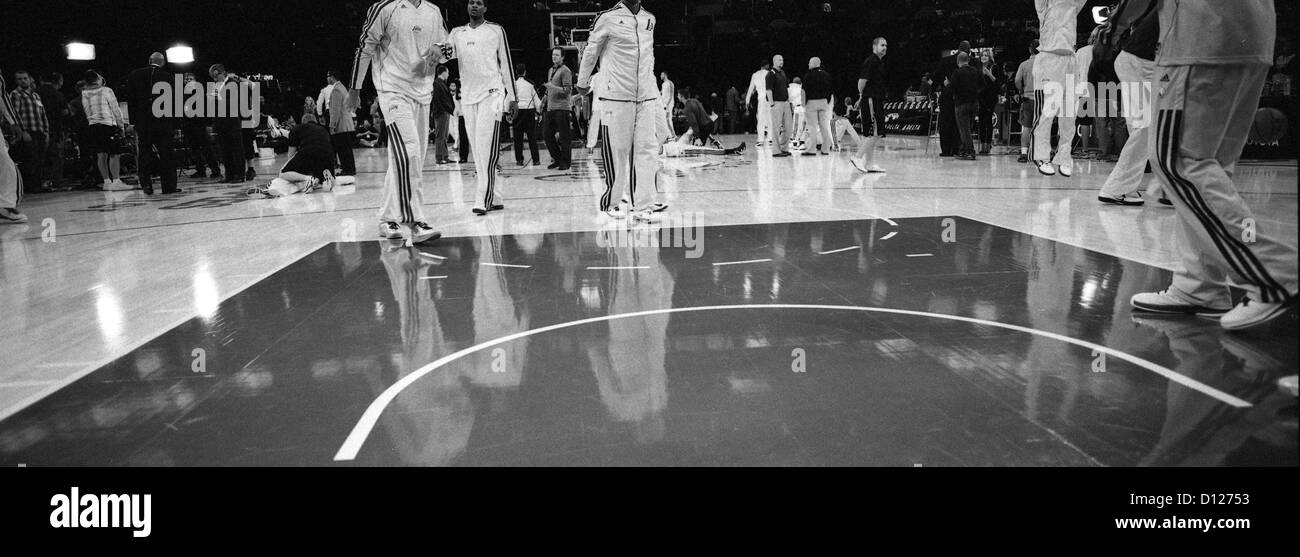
[357, 438]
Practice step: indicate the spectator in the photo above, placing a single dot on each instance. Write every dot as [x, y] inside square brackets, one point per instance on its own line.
[965, 84]
[526, 121]
[731, 111]
[107, 126]
[343, 128]
[988, 101]
[56, 110]
[559, 108]
[441, 110]
[35, 128]
[11, 186]
[309, 110]
[154, 132]
[228, 127]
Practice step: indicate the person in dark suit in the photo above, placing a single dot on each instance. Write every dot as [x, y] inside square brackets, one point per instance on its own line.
[154, 132]
[949, 141]
[228, 126]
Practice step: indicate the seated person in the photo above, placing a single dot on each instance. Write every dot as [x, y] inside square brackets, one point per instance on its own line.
[311, 168]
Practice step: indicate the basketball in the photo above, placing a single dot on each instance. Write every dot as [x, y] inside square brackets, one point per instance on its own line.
[1269, 127]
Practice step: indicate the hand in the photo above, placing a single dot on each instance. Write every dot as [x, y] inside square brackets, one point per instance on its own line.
[354, 97]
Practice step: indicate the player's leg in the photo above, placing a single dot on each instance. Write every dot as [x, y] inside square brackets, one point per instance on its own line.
[1050, 97]
[487, 139]
[616, 127]
[1064, 158]
[405, 159]
[1126, 178]
[11, 188]
[642, 194]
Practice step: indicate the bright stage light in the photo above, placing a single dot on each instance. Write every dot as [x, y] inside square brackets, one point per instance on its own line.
[180, 54]
[81, 51]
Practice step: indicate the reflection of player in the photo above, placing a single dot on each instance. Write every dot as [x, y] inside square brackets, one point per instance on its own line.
[429, 422]
[622, 41]
[496, 314]
[401, 43]
[488, 91]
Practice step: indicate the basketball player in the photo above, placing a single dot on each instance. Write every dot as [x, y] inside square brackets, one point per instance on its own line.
[11, 184]
[1056, 97]
[1210, 71]
[622, 41]
[864, 158]
[404, 41]
[488, 92]
[757, 85]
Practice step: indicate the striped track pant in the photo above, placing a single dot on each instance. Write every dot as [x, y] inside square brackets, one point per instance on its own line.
[408, 143]
[483, 131]
[1203, 117]
[630, 134]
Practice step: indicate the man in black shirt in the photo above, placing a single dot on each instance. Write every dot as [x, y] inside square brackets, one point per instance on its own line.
[778, 101]
[965, 84]
[871, 85]
[311, 168]
[817, 91]
[444, 105]
[154, 132]
[949, 143]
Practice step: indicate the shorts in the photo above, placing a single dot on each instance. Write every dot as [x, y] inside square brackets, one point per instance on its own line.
[308, 165]
[103, 138]
[1028, 111]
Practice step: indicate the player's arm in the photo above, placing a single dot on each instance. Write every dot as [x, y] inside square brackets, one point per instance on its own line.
[767, 88]
[372, 35]
[596, 43]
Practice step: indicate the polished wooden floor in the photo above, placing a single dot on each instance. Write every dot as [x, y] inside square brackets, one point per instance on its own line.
[97, 276]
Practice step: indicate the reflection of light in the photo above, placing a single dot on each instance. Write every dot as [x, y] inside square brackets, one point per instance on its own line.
[379, 311]
[776, 285]
[1099, 14]
[81, 51]
[206, 295]
[748, 287]
[180, 54]
[108, 309]
[1089, 292]
[590, 295]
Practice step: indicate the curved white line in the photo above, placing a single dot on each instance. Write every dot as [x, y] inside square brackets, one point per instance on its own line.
[890, 235]
[352, 445]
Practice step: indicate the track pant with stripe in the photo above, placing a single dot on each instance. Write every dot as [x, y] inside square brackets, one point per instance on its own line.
[11, 182]
[1128, 173]
[1055, 92]
[408, 142]
[630, 151]
[1203, 116]
[483, 133]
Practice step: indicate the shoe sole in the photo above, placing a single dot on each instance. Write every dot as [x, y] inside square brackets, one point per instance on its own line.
[1179, 310]
[1277, 312]
[1121, 202]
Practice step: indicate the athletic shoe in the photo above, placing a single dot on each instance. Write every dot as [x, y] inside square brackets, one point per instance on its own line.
[1166, 202]
[1163, 302]
[421, 233]
[552, 166]
[1289, 385]
[1023, 158]
[498, 207]
[479, 212]
[329, 182]
[1250, 313]
[199, 174]
[250, 175]
[390, 230]
[263, 190]
[966, 157]
[781, 154]
[875, 169]
[617, 212]
[563, 168]
[655, 207]
[12, 216]
[808, 154]
[1045, 168]
[715, 143]
[1066, 170]
[1128, 199]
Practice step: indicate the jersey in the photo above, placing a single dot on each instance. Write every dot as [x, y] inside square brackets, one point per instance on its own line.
[484, 58]
[398, 47]
[1058, 25]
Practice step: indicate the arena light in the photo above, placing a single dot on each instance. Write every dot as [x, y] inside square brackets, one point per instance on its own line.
[80, 51]
[180, 54]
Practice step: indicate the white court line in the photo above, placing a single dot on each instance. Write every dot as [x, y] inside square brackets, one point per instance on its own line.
[426, 254]
[65, 364]
[742, 262]
[890, 221]
[242, 276]
[890, 235]
[507, 265]
[840, 250]
[617, 268]
[434, 278]
[352, 445]
[21, 384]
[920, 255]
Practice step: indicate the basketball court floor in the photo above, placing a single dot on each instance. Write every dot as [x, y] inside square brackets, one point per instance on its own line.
[785, 312]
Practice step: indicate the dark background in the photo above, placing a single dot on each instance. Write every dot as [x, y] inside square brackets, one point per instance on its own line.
[707, 44]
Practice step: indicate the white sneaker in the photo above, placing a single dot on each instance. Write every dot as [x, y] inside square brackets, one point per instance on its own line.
[421, 232]
[1066, 170]
[1250, 313]
[390, 230]
[1046, 169]
[617, 212]
[329, 182]
[875, 168]
[1163, 302]
[12, 216]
